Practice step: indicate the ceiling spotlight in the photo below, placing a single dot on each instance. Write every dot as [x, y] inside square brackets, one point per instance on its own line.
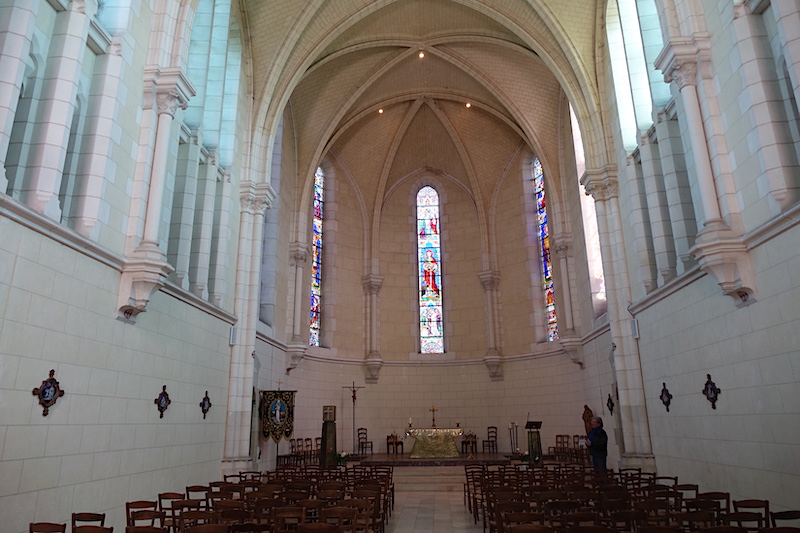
[421, 54]
[468, 105]
[380, 111]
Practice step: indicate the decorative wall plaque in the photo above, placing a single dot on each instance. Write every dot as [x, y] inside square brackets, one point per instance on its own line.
[666, 397]
[329, 413]
[711, 392]
[163, 401]
[205, 405]
[48, 393]
[610, 404]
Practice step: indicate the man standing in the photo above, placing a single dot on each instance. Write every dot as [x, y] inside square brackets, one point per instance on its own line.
[597, 444]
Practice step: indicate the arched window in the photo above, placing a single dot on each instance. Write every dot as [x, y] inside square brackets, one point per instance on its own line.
[431, 332]
[316, 258]
[544, 250]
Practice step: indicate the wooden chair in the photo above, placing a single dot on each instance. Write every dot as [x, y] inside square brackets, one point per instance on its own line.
[748, 511]
[784, 529]
[490, 442]
[139, 505]
[469, 443]
[146, 517]
[199, 492]
[783, 517]
[250, 528]
[46, 527]
[209, 528]
[85, 519]
[363, 443]
[316, 527]
[394, 444]
[145, 529]
[165, 505]
[344, 518]
[287, 518]
[92, 529]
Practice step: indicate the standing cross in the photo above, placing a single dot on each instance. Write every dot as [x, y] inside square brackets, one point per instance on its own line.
[354, 390]
[433, 410]
[279, 384]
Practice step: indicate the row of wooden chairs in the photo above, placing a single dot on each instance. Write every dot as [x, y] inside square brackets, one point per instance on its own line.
[662, 502]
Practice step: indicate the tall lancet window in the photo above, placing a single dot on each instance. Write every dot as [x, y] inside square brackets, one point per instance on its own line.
[316, 259]
[431, 333]
[544, 250]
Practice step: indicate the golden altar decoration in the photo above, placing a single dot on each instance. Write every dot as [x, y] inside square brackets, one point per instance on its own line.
[434, 442]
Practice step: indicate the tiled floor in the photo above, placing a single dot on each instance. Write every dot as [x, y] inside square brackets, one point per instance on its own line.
[430, 500]
[431, 512]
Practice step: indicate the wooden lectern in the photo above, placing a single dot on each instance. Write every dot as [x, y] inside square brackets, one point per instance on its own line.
[534, 443]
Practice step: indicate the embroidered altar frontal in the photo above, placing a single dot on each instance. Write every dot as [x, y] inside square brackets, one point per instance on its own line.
[434, 442]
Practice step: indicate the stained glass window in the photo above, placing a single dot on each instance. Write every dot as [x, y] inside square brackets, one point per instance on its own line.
[431, 333]
[544, 250]
[316, 258]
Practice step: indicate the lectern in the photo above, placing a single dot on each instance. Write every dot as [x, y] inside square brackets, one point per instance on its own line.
[534, 443]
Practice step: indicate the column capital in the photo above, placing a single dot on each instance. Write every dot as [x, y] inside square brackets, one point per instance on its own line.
[601, 184]
[298, 251]
[372, 283]
[255, 198]
[682, 57]
[489, 279]
[166, 89]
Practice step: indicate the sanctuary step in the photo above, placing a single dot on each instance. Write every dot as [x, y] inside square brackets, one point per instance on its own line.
[429, 479]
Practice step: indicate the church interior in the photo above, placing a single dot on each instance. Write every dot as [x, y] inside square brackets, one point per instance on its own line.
[421, 213]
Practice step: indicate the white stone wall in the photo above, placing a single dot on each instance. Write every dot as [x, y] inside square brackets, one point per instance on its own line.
[103, 443]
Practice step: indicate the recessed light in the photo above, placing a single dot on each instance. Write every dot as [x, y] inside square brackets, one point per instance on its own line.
[468, 104]
[421, 54]
[380, 111]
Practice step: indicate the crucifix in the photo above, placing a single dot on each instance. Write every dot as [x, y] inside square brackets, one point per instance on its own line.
[352, 388]
[433, 410]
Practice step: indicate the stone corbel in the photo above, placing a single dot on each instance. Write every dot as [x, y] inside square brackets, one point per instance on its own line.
[144, 273]
[372, 367]
[294, 354]
[573, 347]
[494, 363]
[722, 254]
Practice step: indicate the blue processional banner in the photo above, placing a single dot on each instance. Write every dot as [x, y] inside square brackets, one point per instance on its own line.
[276, 411]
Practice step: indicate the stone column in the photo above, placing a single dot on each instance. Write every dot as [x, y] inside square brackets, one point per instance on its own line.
[182, 221]
[561, 247]
[787, 17]
[372, 286]
[490, 280]
[17, 24]
[657, 208]
[146, 268]
[98, 144]
[299, 343]
[677, 190]
[718, 250]
[254, 200]
[57, 106]
[200, 260]
[633, 436]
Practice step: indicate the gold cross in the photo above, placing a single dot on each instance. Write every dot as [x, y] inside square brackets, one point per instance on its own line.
[433, 410]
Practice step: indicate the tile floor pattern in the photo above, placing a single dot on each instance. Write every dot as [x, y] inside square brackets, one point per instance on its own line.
[431, 512]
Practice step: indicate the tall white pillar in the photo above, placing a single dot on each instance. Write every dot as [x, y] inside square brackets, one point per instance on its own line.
[372, 286]
[634, 431]
[17, 24]
[254, 200]
[299, 342]
[56, 109]
[490, 280]
[146, 268]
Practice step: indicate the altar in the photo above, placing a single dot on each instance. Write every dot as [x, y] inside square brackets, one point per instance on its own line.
[434, 442]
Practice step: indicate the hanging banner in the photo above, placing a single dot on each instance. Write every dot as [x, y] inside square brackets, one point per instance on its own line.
[276, 411]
